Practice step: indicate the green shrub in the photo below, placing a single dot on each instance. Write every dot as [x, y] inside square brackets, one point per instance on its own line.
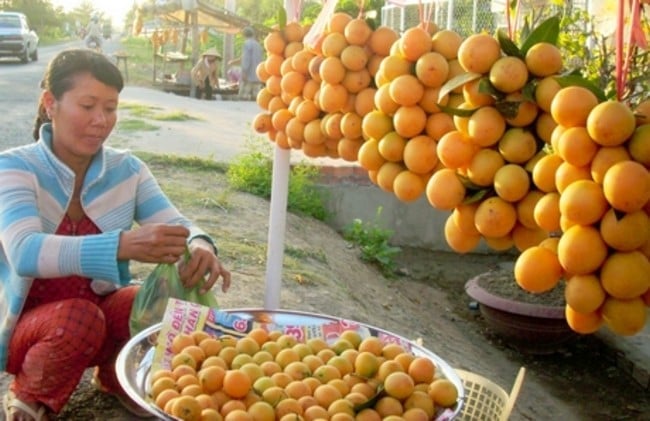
[252, 172]
[373, 241]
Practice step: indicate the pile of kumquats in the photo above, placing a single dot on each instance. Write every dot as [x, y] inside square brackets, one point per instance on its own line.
[269, 375]
[523, 156]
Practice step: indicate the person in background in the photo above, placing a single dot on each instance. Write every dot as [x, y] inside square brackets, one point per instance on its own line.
[94, 34]
[251, 56]
[73, 214]
[205, 74]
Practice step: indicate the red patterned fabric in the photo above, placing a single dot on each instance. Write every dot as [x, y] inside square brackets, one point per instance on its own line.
[64, 329]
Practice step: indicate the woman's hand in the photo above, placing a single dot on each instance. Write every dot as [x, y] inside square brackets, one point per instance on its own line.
[153, 243]
[203, 267]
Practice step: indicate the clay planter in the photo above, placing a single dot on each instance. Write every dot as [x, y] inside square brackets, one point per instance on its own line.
[531, 328]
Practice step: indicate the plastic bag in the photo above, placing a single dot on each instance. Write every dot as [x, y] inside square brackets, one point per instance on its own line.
[162, 284]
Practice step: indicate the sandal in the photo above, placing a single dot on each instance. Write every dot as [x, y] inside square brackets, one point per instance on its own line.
[125, 400]
[11, 404]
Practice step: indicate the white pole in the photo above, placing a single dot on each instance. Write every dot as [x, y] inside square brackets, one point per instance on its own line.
[278, 211]
[450, 14]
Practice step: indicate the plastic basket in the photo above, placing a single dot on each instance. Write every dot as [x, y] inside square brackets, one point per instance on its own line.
[485, 400]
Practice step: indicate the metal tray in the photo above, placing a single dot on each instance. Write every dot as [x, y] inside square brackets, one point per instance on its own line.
[135, 359]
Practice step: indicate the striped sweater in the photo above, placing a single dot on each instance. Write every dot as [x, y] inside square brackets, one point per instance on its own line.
[118, 192]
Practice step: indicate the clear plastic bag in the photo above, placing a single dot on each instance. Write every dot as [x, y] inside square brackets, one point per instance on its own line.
[162, 284]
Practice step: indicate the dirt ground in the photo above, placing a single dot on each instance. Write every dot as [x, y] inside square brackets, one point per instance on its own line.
[324, 274]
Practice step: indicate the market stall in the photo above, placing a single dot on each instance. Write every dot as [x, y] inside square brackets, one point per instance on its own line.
[183, 27]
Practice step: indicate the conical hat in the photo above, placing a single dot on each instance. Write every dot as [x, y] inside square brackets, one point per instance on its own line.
[211, 52]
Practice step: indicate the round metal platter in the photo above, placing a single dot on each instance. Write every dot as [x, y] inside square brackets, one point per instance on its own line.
[134, 361]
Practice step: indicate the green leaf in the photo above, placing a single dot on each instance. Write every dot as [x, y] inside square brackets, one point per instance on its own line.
[372, 401]
[507, 45]
[508, 109]
[477, 196]
[460, 112]
[576, 80]
[486, 87]
[456, 82]
[547, 31]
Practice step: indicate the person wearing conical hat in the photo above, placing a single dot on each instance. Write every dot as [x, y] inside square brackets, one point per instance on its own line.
[205, 74]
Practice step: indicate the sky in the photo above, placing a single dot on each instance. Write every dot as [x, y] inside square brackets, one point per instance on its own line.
[116, 9]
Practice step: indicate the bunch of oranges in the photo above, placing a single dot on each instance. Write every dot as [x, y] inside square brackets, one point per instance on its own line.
[268, 376]
[315, 96]
[519, 159]
[597, 196]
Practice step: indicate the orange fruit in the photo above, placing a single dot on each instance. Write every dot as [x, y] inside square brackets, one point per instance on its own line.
[547, 212]
[583, 202]
[381, 40]
[422, 370]
[483, 167]
[639, 145]
[459, 240]
[537, 269]
[511, 182]
[369, 156]
[186, 408]
[432, 69]
[625, 275]
[386, 175]
[604, 159]
[391, 147]
[455, 150]
[473, 95]
[236, 383]
[581, 250]
[544, 172]
[376, 124]
[383, 101]
[445, 190]
[406, 90]
[495, 217]
[446, 42]
[576, 147]
[399, 385]
[526, 208]
[523, 237]
[568, 173]
[611, 123]
[443, 392]
[525, 110]
[408, 186]
[626, 232]
[409, 121]
[545, 91]
[584, 293]
[627, 186]
[357, 31]
[544, 126]
[439, 124]
[572, 105]
[486, 126]
[583, 323]
[544, 59]
[517, 145]
[624, 317]
[414, 42]
[419, 154]
[478, 52]
[508, 74]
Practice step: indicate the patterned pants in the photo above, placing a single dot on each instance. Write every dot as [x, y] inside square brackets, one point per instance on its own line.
[56, 341]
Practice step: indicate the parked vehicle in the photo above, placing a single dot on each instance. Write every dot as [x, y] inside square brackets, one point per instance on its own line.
[17, 39]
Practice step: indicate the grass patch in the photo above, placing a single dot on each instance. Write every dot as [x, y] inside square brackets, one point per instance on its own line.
[373, 242]
[252, 172]
[135, 125]
[174, 116]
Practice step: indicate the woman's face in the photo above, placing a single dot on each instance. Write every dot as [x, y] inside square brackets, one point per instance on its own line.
[83, 117]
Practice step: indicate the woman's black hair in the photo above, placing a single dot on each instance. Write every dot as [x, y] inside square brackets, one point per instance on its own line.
[61, 71]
